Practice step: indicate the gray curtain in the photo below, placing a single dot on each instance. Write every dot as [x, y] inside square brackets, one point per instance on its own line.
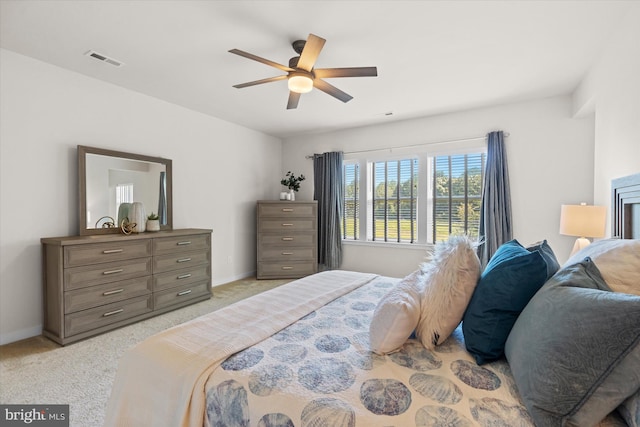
[327, 190]
[495, 212]
[162, 199]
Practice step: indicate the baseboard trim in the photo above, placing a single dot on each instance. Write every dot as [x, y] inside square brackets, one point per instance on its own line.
[22, 334]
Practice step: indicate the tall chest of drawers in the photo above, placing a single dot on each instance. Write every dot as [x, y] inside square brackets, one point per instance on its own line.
[287, 244]
[93, 284]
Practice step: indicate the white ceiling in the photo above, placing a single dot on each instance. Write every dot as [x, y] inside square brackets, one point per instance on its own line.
[432, 56]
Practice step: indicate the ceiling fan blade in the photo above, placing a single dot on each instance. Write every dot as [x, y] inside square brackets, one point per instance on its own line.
[294, 97]
[259, 82]
[331, 90]
[259, 59]
[346, 72]
[310, 53]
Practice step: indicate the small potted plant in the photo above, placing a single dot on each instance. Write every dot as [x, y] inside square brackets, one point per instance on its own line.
[292, 183]
[153, 222]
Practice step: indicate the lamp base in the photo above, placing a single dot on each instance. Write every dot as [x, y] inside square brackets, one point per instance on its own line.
[580, 243]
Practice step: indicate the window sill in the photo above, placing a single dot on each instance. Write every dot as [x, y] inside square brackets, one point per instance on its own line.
[389, 245]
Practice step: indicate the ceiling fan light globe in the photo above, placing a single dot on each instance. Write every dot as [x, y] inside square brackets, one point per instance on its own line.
[300, 84]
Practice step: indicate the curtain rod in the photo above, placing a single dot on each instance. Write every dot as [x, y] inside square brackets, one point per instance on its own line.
[506, 134]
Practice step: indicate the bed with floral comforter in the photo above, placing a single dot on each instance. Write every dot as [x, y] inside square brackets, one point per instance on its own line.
[320, 371]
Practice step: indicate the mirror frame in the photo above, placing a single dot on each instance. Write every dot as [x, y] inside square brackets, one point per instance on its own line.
[83, 150]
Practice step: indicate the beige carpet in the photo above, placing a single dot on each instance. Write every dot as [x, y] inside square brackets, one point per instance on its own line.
[38, 371]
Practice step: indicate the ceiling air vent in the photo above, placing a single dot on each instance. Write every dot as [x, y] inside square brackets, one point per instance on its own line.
[104, 58]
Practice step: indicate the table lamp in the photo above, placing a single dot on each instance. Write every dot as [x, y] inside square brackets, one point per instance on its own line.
[583, 221]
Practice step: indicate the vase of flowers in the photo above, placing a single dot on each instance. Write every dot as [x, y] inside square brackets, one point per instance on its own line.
[292, 183]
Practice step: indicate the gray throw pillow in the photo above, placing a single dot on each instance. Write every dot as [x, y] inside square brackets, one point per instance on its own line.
[575, 349]
[630, 410]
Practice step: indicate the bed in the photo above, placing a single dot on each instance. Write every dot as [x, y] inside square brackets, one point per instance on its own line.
[301, 355]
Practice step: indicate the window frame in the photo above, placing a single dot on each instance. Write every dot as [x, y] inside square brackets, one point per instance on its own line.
[425, 205]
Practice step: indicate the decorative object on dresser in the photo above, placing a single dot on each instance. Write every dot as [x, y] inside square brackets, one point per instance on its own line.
[93, 284]
[153, 223]
[138, 216]
[293, 184]
[287, 239]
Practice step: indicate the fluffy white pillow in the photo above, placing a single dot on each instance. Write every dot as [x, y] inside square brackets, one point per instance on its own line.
[618, 261]
[450, 279]
[396, 315]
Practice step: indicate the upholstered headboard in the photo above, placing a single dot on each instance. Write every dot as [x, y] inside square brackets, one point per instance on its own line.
[625, 207]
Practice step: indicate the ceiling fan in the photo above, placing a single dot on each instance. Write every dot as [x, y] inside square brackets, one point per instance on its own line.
[301, 75]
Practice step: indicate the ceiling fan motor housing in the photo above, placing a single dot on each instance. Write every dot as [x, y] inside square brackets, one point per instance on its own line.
[298, 46]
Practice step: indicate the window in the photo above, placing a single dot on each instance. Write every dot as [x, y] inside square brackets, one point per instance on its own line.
[350, 214]
[124, 194]
[419, 198]
[457, 194]
[394, 200]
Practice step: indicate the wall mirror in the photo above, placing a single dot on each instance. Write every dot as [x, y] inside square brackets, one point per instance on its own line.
[110, 180]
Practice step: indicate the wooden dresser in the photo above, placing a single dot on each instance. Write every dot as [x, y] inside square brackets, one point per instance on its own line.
[287, 239]
[93, 284]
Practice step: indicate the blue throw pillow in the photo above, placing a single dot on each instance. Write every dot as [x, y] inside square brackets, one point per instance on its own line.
[575, 349]
[549, 256]
[511, 278]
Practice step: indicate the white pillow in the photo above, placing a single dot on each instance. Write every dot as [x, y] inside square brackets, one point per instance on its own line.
[450, 279]
[618, 261]
[396, 315]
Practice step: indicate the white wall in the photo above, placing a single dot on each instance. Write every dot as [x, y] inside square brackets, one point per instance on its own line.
[219, 171]
[612, 90]
[550, 157]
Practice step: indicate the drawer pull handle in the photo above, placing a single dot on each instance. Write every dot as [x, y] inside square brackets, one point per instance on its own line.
[184, 260]
[287, 268]
[113, 271]
[287, 210]
[111, 313]
[112, 251]
[287, 239]
[287, 253]
[184, 276]
[117, 291]
[287, 225]
[184, 243]
[188, 291]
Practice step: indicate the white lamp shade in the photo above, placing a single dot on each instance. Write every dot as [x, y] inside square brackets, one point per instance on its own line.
[583, 220]
[300, 83]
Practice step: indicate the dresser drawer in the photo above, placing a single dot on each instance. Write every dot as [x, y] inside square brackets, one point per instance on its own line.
[170, 262]
[286, 240]
[106, 252]
[87, 320]
[286, 225]
[94, 296]
[81, 277]
[270, 253]
[171, 245]
[286, 269]
[180, 294]
[284, 210]
[181, 277]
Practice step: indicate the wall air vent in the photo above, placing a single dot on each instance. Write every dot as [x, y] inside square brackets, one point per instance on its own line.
[104, 58]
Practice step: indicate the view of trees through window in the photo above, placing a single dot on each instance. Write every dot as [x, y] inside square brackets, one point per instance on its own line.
[390, 211]
[457, 194]
[395, 195]
[351, 212]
